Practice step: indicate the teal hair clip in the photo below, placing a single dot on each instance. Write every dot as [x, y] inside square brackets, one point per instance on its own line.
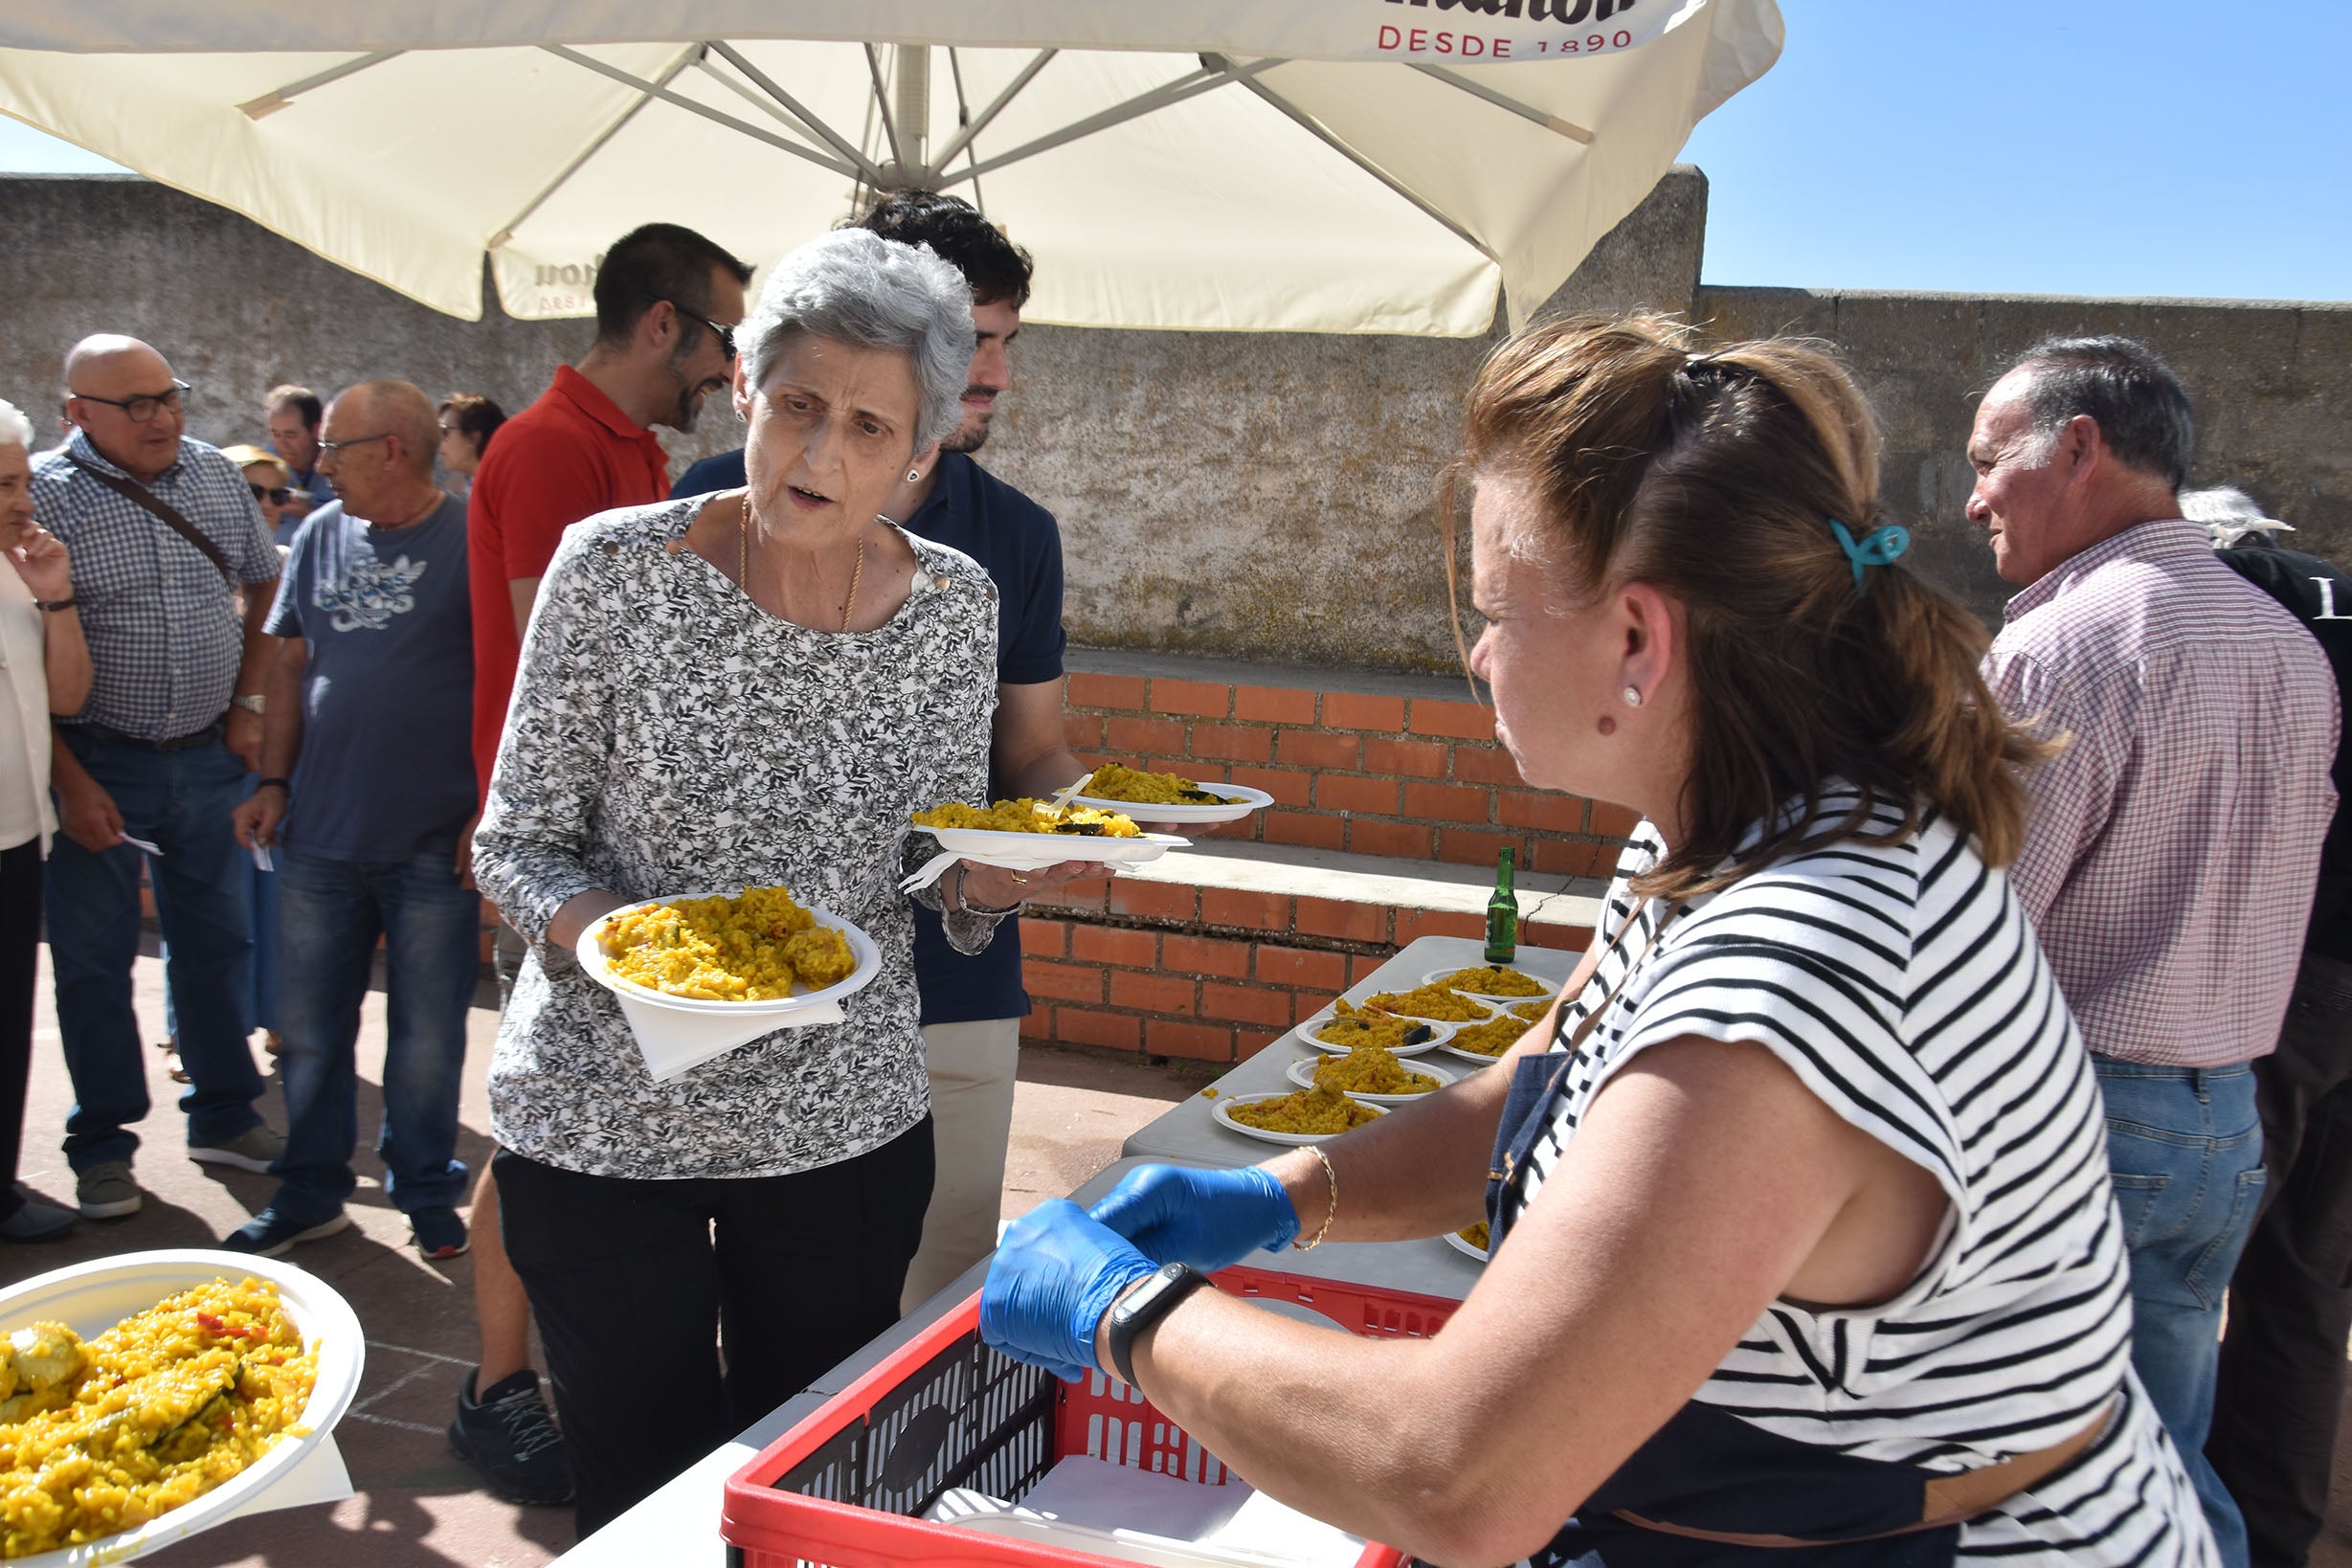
[1879, 548]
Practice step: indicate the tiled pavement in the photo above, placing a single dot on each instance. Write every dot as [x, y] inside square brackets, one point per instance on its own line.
[417, 1505]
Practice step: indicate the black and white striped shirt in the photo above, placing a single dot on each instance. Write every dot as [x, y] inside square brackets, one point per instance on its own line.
[1903, 985]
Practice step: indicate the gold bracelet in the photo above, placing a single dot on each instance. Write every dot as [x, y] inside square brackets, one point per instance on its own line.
[1331, 1179]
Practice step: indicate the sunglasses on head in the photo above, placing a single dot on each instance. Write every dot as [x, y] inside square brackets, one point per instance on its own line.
[275, 494]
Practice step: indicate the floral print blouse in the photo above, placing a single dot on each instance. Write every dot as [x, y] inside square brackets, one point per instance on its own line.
[667, 736]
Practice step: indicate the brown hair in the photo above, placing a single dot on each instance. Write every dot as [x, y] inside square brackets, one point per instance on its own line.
[475, 416]
[1713, 478]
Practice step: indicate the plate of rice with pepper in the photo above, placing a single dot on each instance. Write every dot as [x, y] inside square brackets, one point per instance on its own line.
[154, 1395]
[1348, 1026]
[1024, 835]
[1167, 798]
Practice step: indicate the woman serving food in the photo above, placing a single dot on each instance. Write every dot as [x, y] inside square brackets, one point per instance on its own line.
[752, 689]
[1803, 1245]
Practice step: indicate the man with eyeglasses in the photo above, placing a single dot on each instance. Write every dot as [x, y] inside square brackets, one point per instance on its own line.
[165, 539]
[667, 302]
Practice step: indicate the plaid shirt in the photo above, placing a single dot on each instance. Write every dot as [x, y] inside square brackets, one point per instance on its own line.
[165, 637]
[2172, 846]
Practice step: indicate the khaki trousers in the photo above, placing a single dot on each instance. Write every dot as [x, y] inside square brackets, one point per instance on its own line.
[972, 1069]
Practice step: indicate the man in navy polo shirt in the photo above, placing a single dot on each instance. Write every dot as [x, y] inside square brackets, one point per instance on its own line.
[973, 1006]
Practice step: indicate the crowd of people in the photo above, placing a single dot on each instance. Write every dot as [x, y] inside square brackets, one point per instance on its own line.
[1986, 996]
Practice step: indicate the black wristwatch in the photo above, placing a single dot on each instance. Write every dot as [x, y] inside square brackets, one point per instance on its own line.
[1144, 1306]
[285, 784]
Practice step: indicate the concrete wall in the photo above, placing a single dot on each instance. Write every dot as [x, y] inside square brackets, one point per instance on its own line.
[1262, 497]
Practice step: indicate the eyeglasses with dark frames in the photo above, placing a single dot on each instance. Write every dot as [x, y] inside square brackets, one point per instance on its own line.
[140, 410]
[327, 447]
[725, 334]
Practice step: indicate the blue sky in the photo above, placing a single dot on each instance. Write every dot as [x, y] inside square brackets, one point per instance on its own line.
[2083, 147]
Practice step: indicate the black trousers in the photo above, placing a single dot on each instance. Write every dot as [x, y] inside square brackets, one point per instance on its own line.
[637, 1284]
[2282, 1381]
[20, 944]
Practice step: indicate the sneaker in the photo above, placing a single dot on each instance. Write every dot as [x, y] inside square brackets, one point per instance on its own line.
[253, 1150]
[512, 1441]
[37, 1221]
[269, 1233]
[438, 1232]
[107, 1192]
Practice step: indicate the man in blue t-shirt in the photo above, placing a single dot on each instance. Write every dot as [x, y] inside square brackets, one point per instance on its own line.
[367, 796]
[973, 1006]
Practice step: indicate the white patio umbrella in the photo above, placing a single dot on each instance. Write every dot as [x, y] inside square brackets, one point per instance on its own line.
[1331, 166]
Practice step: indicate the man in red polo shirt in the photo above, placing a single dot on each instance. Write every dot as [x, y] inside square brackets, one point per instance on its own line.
[667, 302]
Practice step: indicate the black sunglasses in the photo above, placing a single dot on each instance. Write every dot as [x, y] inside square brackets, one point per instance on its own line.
[275, 494]
[726, 334]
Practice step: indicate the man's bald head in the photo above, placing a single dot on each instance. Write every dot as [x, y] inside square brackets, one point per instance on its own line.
[100, 362]
[108, 379]
[394, 408]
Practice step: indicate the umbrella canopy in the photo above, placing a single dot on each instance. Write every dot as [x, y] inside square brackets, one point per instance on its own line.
[1330, 166]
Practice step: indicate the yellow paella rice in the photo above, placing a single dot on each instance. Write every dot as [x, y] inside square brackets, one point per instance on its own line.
[1026, 816]
[1432, 1001]
[1116, 782]
[751, 948]
[1351, 1026]
[1318, 1111]
[1475, 1235]
[1371, 1069]
[1490, 1039]
[101, 1436]
[1532, 1011]
[1494, 981]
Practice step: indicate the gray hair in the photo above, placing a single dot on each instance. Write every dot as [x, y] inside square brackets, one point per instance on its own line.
[16, 430]
[855, 286]
[2125, 389]
[2229, 514]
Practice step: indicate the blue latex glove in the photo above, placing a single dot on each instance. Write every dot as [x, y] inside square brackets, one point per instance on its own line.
[1056, 1273]
[1207, 1218]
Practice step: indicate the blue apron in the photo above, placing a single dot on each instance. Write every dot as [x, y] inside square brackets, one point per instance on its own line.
[1710, 1490]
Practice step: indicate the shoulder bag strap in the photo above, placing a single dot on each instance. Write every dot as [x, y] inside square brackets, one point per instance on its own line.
[149, 499]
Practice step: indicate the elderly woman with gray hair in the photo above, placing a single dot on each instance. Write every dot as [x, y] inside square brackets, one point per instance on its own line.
[750, 688]
[44, 669]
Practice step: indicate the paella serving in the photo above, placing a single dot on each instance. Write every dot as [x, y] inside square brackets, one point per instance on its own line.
[102, 1435]
[754, 946]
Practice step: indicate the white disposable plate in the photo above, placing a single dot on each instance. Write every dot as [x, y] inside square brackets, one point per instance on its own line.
[1440, 1032]
[1239, 802]
[590, 951]
[92, 1298]
[1477, 1058]
[1436, 976]
[1031, 851]
[1491, 1009]
[1303, 1074]
[1453, 1239]
[1220, 1113]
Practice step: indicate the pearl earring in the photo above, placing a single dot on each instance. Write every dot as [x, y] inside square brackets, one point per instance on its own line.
[1633, 695]
[914, 474]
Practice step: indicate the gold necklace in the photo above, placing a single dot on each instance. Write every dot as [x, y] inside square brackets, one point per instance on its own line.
[743, 560]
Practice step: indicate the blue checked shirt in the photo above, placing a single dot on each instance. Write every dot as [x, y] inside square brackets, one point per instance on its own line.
[165, 637]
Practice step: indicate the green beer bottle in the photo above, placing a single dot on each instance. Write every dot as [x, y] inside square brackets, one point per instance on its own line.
[1502, 914]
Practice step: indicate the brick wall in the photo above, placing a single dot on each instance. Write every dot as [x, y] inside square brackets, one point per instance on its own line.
[1413, 778]
[1213, 975]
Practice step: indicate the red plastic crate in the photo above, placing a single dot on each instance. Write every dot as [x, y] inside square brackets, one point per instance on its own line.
[847, 1488]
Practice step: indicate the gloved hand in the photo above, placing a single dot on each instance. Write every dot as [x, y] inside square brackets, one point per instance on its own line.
[1056, 1273]
[1207, 1218]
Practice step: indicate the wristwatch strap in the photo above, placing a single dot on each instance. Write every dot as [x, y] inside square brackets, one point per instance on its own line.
[54, 605]
[285, 784]
[1146, 1304]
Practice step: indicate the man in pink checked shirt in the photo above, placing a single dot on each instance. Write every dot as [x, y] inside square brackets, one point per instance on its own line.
[2173, 844]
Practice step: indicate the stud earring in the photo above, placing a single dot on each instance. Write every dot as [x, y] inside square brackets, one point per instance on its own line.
[914, 474]
[1633, 695]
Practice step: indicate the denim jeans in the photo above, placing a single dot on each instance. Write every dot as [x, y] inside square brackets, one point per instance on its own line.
[2184, 1145]
[180, 801]
[330, 914]
[261, 996]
